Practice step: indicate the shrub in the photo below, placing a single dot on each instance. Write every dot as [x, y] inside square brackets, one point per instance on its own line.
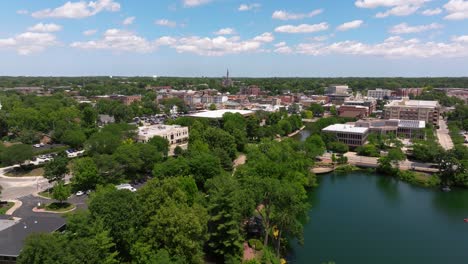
[256, 244]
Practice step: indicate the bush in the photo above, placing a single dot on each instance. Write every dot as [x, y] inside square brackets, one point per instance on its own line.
[256, 244]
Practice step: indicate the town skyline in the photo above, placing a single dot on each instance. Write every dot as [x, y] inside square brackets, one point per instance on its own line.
[189, 38]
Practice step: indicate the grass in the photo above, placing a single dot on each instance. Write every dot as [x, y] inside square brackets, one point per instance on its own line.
[20, 172]
[5, 208]
[46, 194]
[59, 207]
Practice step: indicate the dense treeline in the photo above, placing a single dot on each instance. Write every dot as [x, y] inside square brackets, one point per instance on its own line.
[134, 85]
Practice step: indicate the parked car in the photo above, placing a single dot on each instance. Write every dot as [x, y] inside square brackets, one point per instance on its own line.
[80, 193]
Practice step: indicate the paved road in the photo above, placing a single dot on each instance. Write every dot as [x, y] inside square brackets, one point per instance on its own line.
[443, 134]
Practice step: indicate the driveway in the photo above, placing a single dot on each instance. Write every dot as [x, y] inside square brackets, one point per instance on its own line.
[443, 134]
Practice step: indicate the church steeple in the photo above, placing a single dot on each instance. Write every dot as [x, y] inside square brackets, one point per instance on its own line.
[227, 74]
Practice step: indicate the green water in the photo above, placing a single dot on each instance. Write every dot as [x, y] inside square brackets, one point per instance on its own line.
[365, 218]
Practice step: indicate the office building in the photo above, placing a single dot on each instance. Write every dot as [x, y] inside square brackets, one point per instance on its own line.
[174, 134]
[379, 93]
[349, 134]
[406, 109]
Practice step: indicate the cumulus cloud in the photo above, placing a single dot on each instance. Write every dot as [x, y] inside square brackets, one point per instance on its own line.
[248, 7]
[431, 12]
[395, 7]
[78, 10]
[89, 32]
[404, 28]
[117, 40]
[394, 47]
[460, 39]
[45, 28]
[29, 42]
[193, 3]
[166, 23]
[129, 20]
[350, 25]
[456, 9]
[302, 28]
[284, 15]
[225, 31]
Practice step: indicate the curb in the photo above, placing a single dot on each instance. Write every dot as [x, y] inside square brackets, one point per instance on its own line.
[17, 205]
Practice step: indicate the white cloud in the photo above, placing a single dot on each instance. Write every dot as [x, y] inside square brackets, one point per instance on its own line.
[394, 47]
[404, 28]
[225, 31]
[456, 9]
[284, 15]
[78, 10]
[303, 28]
[248, 7]
[45, 28]
[22, 12]
[463, 39]
[165, 41]
[396, 7]
[129, 20]
[165, 23]
[265, 37]
[118, 40]
[193, 3]
[29, 42]
[350, 25]
[89, 32]
[431, 12]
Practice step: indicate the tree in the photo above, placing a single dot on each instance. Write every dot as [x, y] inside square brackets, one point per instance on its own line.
[42, 248]
[61, 192]
[161, 144]
[57, 168]
[396, 155]
[338, 147]
[15, 154]
[317, 109]
[74, 138]
[212, 107]
[103, 143]
[285, 127]
[452, 170]
[368, 150]
[128, 156]
[314, 146]
[85, 174]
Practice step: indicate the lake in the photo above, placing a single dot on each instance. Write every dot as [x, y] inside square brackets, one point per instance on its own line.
[362, 218]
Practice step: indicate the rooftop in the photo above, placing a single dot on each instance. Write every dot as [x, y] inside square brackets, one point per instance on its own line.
[218, 114]
[346, 128]
[12, 238]
[413, 103]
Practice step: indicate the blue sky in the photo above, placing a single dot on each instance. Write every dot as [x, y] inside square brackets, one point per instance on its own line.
[254, 38]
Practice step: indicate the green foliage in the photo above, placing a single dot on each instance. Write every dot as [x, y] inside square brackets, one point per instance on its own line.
[15, 154]
[256, 244]
[85, 174]
[338, 147]
[368, 150]
[314, 146]
[161, 144]
[74, 138]
[61, 192]
[56, 169]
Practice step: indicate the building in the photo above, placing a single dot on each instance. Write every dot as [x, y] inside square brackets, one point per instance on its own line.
[369, 103]
[218, 114]
[338, 89]
[227, 82]
[410, 129]
[406, 92]
[13, 234]
[251, 90]
[174, 134]
[354, 111]
[349, 134]
[379, 93]
[406, 109]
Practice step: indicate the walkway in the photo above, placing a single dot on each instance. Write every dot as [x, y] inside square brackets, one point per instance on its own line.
[443, 134]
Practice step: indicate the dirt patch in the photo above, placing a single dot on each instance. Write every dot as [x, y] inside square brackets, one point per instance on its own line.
[19, 172]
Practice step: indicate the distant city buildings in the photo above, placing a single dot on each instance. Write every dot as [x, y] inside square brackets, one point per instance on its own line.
[379, 94]
[406, 109]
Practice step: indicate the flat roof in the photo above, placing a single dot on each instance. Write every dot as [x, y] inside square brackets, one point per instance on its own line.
[217, 114]
[413, 103]
[12, 239]
[346, 128]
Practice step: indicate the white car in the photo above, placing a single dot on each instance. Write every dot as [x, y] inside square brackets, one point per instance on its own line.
[80, 193]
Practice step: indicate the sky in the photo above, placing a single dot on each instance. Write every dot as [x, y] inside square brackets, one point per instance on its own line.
[251, 38]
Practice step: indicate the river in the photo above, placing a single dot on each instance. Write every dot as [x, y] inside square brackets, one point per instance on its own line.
[363, 218]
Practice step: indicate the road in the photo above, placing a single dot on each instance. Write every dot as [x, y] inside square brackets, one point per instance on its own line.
[443, 134]
[17, 187]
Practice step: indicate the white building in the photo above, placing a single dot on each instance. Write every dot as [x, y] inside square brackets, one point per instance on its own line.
[338, 89]
[406, 109]
[379, 93]
[349, 134]
[218, 114]
[174, 134]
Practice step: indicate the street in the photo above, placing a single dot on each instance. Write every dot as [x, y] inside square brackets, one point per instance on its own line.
[443, 134]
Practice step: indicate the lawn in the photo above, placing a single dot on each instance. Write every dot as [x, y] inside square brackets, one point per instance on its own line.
[46, 193]
[59, 207]
[20, 172]
[5, 208]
